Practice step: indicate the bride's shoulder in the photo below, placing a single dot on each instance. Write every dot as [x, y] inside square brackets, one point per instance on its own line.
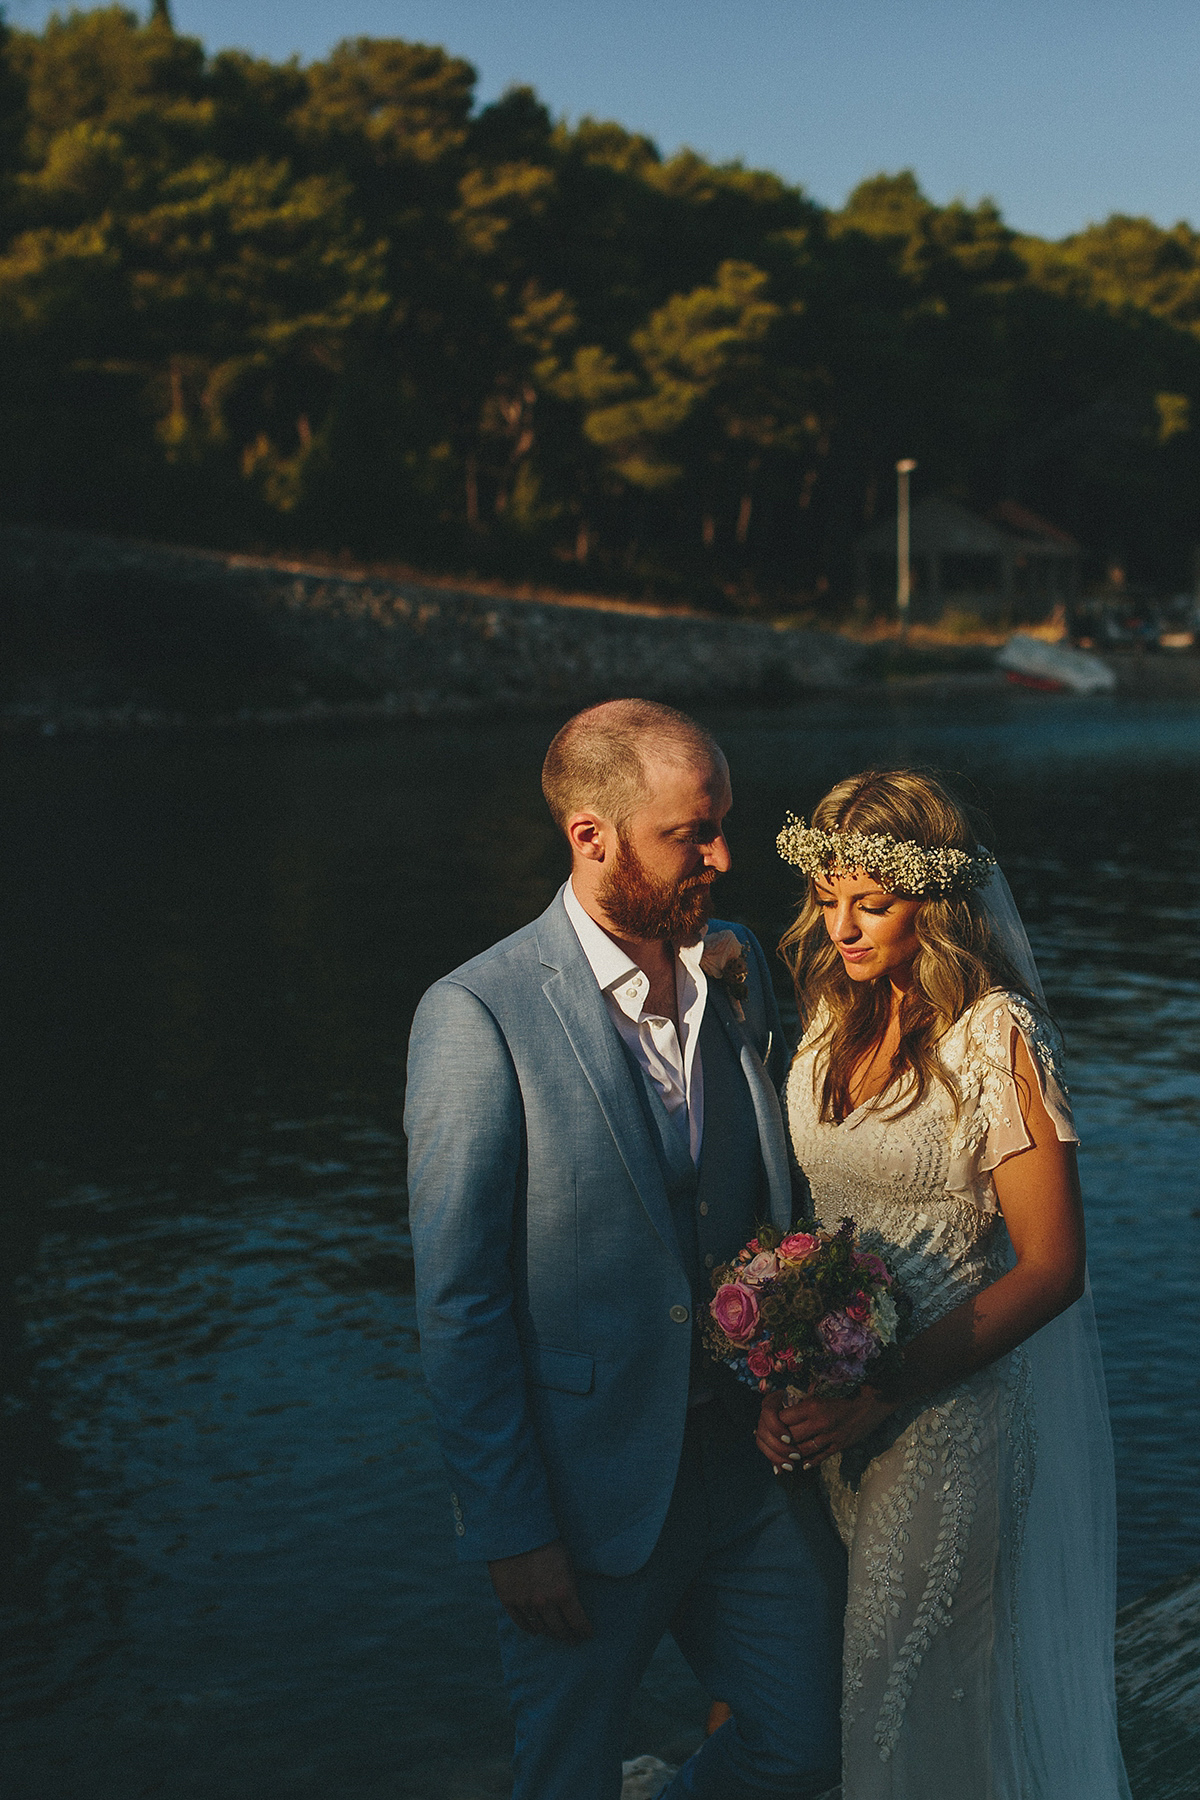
[814, 1027]
[997, 1005]
[986, 1028]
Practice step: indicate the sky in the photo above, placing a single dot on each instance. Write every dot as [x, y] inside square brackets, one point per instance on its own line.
[1062, 111]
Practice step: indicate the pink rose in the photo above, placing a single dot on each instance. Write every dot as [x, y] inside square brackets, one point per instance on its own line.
[736, 1311]
[760, 1268]
[759, 1362]
[798, 1245]
[845, 1338]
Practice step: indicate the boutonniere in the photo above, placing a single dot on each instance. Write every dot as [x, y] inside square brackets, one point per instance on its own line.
[724, 960]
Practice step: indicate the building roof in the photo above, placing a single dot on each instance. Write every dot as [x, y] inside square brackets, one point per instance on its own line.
[945, 528]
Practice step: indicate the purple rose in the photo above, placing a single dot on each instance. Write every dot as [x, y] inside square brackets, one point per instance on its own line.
[845, 1338]
[735, 1310]
[843, 1375]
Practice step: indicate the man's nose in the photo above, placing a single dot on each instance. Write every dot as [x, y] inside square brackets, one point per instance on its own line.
[716, 855]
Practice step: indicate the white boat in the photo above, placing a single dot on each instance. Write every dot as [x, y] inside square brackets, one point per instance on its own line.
[1040, 664]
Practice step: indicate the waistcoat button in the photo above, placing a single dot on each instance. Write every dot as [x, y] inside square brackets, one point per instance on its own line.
[679, 1314]
[709, 1260]
[704, 1209]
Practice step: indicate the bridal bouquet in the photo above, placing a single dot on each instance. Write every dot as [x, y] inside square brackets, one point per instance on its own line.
[807, 1312]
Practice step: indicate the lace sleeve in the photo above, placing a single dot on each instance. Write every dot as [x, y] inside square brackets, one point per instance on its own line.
[991, 1126]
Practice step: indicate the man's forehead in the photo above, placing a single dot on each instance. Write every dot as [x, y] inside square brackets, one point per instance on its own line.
[697, 787]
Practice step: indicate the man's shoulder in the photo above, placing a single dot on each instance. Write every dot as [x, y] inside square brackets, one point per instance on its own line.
[513, 958]
[739, 931]
[742, 932]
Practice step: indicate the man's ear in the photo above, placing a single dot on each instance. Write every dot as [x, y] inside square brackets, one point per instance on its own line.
[590, 836]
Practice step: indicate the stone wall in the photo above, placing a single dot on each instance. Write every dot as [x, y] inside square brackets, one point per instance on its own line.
[101, 623]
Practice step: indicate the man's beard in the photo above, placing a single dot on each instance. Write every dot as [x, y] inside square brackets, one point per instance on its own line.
[639, 906]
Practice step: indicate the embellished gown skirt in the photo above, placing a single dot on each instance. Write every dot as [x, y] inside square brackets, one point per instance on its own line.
[932, 1525]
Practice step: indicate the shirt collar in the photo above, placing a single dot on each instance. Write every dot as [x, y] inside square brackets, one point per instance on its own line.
[609, 963]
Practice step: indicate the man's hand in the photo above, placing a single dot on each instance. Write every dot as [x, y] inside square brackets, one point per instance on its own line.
[537, 1591]
[808, 1432]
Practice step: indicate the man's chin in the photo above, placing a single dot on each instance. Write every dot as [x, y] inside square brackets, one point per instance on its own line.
[692, 930]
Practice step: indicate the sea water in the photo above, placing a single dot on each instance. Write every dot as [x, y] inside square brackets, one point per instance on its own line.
[228, 1564]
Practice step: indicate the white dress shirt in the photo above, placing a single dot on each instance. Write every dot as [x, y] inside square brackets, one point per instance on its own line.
[674, 1067]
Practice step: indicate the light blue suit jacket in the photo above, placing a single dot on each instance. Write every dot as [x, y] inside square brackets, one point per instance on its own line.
[554, 1308]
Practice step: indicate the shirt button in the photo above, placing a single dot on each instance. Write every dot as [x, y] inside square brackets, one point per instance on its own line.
[631, 993]
[709, 1260]
[679, 1314]
[704, 1209]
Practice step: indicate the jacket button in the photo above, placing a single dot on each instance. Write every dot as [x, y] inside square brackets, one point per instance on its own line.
[454, 1499]
[460, 1529]
[679, 1314]
[709, 1260]
[704, 1209]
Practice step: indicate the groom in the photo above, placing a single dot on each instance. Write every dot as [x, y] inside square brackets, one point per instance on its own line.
[592, 1125]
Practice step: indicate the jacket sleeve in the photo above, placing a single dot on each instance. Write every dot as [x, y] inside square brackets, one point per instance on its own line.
[463, 1120]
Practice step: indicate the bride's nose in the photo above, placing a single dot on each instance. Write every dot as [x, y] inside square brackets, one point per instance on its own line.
[845, 926]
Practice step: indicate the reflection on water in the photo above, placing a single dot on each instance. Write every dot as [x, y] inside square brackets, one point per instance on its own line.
[227, 1556]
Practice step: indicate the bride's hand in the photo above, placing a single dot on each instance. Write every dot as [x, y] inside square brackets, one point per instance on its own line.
[805, 1434]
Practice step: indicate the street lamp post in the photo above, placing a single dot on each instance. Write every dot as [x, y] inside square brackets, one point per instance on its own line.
[903, 565]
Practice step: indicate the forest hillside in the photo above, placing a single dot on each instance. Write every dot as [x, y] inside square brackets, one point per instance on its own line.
[341, 306]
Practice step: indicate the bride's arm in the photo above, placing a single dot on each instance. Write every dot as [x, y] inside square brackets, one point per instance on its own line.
[1038, 1191]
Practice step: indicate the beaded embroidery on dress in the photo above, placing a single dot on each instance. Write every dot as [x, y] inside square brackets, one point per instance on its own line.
[932, 1506]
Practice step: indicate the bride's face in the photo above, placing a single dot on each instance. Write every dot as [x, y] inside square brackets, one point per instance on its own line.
[875, 932]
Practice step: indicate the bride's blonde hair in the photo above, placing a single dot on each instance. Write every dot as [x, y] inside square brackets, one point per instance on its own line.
[959, 960]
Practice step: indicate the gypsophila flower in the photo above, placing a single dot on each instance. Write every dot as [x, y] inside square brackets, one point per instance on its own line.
[904, 866]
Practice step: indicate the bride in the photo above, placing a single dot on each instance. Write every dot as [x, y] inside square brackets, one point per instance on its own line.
[974, 1493]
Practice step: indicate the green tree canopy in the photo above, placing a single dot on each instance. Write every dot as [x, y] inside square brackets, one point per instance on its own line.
[339, 304]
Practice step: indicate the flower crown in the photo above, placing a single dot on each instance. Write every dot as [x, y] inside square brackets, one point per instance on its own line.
[901, 864]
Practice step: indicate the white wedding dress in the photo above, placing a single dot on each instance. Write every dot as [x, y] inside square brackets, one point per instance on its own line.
[979, 1524]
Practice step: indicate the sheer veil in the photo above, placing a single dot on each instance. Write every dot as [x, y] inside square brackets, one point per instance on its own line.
[1063, 1693]
[1009, 927]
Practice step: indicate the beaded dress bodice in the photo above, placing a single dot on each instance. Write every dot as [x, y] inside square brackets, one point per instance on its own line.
[918, 1184]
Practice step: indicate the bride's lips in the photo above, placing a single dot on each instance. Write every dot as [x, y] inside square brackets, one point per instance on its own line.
[853, 955]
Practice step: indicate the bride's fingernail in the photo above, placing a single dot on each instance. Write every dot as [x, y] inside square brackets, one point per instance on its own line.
[784, 1438]
[785, 1469]
[808, 1465]
[795, 1457]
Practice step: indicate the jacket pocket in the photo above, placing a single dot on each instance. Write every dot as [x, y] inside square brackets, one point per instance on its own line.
[568, 1371]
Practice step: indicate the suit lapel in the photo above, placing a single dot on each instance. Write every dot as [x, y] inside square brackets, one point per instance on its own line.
[571, 989]
[772, 1133]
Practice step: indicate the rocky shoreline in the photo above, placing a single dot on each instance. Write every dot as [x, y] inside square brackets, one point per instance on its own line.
[109, 635]
[117, 635]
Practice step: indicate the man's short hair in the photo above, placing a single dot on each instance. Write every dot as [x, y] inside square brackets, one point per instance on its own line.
[598, 760]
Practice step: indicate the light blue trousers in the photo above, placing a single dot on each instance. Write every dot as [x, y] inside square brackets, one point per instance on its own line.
[749, 1578]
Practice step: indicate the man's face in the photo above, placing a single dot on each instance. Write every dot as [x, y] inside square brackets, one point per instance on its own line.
[669, 854]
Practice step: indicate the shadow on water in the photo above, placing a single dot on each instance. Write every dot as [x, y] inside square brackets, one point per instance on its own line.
[227, 1561]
